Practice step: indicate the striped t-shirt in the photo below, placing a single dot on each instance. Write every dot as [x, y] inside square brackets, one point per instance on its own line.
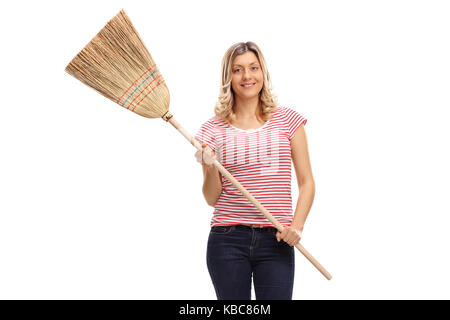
[260, 159]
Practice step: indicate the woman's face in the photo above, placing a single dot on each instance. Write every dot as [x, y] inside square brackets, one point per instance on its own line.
[246, 75]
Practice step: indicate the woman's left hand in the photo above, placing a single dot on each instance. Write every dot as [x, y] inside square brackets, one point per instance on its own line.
[290, 235]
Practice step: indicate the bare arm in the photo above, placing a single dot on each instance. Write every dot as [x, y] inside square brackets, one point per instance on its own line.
[212, 184]
[212, 180]
[305, 179]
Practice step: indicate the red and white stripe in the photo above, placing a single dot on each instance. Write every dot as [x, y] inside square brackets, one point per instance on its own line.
[260, 160]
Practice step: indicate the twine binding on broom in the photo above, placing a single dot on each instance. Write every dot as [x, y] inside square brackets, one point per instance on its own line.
[167, 116]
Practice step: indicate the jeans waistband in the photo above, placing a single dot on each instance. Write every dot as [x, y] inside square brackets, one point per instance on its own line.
[248, 228]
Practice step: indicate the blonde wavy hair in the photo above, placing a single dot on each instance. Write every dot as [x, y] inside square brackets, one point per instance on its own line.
[225, 103]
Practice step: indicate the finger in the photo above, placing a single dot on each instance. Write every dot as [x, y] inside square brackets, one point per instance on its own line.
[278, 235]
[202, 149]
[291, 241]
[205, 153]
[285, 234]
[293, 237]
[287, 242]
[202, 152]
[297, 239]
[209, 156]
[198, 157]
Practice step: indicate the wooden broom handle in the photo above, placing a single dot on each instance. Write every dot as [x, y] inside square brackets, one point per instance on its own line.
[252, 199]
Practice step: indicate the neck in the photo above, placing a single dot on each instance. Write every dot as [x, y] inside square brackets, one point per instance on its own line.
[247, 108]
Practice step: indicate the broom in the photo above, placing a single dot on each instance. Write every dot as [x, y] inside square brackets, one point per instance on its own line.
[117, 64]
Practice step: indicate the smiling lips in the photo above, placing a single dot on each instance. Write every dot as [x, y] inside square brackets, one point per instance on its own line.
[248, 85]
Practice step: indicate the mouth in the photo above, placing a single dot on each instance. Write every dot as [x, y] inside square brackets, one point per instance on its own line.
[248, 85]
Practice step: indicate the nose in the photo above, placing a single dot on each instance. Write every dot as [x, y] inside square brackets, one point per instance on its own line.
[246, 74]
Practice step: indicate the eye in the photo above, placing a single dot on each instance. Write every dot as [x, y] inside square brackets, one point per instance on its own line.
[255, 68]
[236, 70]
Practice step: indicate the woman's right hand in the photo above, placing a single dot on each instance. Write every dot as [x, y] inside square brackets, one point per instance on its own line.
[206, 157]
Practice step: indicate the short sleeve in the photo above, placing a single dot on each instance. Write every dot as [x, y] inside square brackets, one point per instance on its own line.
[293, 121]
[206, 134]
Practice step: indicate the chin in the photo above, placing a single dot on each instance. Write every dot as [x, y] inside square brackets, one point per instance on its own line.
[249, 95]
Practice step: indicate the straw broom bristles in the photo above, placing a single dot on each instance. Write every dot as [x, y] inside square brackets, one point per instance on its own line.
[117, 64]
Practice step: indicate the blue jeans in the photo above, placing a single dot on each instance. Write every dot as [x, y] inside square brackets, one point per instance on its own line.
[236, 253]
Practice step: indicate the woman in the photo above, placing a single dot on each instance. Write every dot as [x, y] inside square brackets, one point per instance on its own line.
[255, 140]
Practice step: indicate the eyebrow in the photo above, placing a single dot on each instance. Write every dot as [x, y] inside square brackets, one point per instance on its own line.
[238, 65]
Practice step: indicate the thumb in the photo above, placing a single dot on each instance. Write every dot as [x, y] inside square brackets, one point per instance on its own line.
[278, 235]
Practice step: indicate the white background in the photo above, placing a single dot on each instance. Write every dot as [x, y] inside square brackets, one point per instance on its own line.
[100, 203]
